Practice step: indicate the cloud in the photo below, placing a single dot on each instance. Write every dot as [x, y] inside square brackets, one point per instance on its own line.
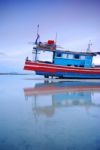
[2, 54]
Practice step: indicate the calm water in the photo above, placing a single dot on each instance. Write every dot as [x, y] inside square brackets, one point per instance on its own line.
[48, 116]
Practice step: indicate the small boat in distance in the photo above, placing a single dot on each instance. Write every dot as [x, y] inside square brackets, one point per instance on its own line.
[62, 63]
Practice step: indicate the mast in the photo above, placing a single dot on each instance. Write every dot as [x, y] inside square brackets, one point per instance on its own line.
[36, 42]
[89, 47]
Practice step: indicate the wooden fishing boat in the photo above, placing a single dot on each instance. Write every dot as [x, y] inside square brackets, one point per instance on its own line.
[59, 63]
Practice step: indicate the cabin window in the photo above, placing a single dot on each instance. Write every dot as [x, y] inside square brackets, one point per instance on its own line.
[76, 65]
[70, 56]
[64, 55]
[58, 54]
[45, 56]
[81, 65]
[82, 57]
[76, 56]
[68, 65]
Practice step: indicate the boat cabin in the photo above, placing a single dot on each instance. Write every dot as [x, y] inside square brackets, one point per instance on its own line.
[50, 54]
[75, 59]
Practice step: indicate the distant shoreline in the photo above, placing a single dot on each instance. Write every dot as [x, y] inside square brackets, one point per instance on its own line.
[15, 74]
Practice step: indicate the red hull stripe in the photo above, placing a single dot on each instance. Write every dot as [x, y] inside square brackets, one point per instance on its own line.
[53, 65]
[34, 66]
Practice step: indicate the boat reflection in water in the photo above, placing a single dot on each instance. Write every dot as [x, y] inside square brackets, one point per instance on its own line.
[47, 97]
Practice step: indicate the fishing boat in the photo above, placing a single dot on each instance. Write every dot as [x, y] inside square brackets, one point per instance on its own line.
[62, 63]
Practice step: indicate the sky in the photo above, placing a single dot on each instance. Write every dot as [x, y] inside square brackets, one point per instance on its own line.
[74, 21]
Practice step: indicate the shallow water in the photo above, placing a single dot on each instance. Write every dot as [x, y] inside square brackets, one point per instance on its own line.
[48, 116]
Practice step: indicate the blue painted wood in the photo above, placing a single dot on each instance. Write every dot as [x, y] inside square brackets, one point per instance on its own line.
[77, 75]
[70, 75]
[69, 62]
[67, 59]
[88, 62]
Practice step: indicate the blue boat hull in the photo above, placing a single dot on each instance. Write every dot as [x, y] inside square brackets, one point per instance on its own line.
[69, 75]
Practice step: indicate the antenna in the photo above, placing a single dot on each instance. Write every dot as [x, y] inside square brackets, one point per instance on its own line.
[56, 38]
[89, 46]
